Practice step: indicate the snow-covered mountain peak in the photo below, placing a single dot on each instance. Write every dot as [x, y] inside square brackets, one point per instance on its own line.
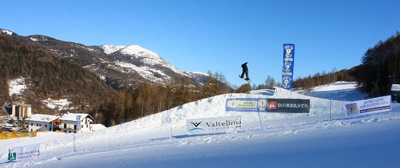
[38, 38]
[138, 51]
[132, 50]
[148, 64]
[3, 31]
[108, 49]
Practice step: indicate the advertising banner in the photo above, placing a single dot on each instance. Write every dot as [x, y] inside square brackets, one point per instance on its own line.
[289, 105]
[23, 152]
[214, 125]
[247, 105]
[78, 122]
[379, 104]
[288, 66]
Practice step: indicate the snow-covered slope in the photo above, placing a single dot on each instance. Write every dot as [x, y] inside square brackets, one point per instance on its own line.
[322, 138]
[339, 91]
[16, 86]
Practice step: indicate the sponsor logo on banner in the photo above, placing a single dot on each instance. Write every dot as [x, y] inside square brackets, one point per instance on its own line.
[214, 125]
[287, 82]
[247, 104]
[272, 105]
[379, 104]
[289, 105]
[288, 66]
[23, 152]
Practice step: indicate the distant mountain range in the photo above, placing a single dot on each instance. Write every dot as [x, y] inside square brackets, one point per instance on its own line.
[120, 66]
[82, 74]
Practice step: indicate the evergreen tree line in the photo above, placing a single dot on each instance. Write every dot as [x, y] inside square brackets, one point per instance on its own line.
[323, 78]
[380, 67]
[48, 76]
[151, 98]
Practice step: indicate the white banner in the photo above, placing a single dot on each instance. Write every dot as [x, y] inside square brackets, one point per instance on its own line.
[24, 152]
[379, 104]
[214, 125]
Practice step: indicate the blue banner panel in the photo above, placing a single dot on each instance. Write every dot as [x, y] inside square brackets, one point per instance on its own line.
[288, 66]
[247, 105]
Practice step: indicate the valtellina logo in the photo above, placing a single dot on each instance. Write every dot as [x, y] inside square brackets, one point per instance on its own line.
[227, 123]
[216, 125]
[196, 124]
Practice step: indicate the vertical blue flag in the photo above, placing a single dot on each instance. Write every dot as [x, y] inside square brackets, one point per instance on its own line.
[288, 66]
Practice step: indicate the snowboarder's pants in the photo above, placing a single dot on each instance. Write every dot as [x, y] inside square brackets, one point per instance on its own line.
[245, 72]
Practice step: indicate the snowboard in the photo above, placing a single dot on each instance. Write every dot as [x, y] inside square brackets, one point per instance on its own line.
[245, 79]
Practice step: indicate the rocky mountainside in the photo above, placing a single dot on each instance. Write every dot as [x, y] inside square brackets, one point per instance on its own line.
[120, 66]
[34, 76]
[82, 75]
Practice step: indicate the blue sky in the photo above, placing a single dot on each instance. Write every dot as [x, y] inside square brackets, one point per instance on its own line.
[218, 35]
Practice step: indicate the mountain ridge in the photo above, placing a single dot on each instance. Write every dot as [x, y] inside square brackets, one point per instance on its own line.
[56, 69]
[114, 63]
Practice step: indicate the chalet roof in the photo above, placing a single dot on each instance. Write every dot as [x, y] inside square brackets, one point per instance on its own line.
[42, 118]
[72, 116]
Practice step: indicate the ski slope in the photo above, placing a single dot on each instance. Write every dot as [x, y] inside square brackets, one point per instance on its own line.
[322, 138]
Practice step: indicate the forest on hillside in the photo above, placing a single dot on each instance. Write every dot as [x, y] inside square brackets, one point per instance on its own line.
[379, 69]
[307, 83]
[47, 76]
[150, 98]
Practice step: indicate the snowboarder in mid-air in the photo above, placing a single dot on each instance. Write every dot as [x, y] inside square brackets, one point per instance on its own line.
[245, 70]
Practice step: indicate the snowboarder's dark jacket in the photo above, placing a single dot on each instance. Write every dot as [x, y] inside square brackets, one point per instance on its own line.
[244, 66]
